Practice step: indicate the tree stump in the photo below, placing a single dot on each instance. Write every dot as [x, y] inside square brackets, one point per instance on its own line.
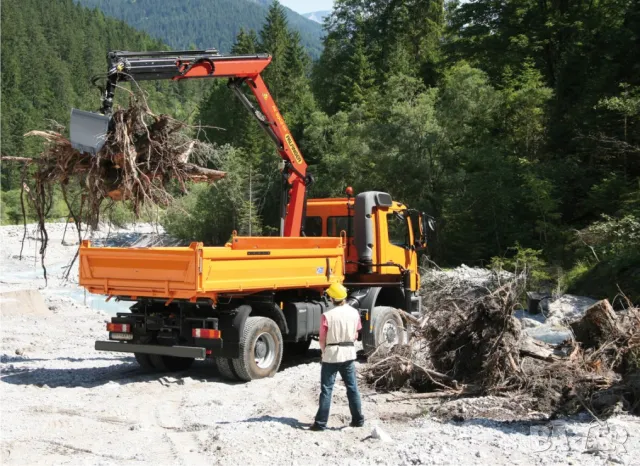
[598, 325]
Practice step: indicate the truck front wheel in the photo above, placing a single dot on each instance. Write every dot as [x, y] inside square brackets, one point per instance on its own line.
[387, 329]
[260, 349]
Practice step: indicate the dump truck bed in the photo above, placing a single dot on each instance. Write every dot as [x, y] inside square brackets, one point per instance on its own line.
[244, 265]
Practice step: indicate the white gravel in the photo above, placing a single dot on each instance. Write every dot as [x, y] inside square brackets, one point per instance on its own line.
[64, 403]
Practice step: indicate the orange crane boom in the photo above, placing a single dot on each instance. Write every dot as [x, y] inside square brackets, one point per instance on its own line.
[198, 64]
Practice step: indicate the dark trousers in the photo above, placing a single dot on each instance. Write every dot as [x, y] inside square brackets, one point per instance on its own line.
[327, 380]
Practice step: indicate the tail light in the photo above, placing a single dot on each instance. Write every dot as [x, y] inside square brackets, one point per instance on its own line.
[205, 333]
[121, 328]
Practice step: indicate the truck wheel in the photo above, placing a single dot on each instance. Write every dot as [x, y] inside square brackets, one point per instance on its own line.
[158, 362]
[225, 369]
[388, 329]
[260, 349]
[296, 348]
[144, 361]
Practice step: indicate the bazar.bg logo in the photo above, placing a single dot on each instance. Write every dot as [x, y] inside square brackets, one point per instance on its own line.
[558, 436]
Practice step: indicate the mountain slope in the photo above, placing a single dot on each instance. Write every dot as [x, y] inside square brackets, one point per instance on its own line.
[203, 23]
[317, 16]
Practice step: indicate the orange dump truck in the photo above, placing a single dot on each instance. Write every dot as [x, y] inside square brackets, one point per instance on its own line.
[247, 303]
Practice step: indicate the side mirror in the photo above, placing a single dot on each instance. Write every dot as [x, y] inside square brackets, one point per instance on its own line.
[427, 223]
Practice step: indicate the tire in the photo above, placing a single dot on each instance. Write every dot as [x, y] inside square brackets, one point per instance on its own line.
[260, 349]
[296, 348]
[225, 369]
[144, 362]
[158, 362]
[388, 329]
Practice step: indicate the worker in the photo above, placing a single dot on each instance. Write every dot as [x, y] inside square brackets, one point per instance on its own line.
[339, 329]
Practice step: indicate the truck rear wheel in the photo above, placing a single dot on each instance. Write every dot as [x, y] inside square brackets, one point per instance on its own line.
[260, 349]
[225, 369]
[144, 361]
[388, 329]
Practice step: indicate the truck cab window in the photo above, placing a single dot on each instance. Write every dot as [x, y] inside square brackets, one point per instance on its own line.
[313, 226]
[398, 229]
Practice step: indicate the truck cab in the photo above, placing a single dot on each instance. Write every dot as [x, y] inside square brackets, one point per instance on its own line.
[382, 238]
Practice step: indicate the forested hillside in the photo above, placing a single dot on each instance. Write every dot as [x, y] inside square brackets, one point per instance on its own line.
[203, 23]
[50, 50]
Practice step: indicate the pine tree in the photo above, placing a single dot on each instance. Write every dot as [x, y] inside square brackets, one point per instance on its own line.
[274, 40]
[246, 43]
[358, 74]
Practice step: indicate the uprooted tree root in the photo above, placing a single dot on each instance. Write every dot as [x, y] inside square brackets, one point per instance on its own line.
[144, 159]
[471, 344]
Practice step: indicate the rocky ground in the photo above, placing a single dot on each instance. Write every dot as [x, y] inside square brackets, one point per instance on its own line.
[64, 403]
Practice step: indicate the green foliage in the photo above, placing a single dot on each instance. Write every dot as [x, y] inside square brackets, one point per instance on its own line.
[368, 41]
[211, 213]
[609, 264]
[612, 237]
[11, 209]
[582, 51]
[569, 279]
[611, 278]
[524, 260]
[204, 23]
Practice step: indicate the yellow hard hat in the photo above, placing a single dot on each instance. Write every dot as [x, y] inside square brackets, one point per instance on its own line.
[337, 291]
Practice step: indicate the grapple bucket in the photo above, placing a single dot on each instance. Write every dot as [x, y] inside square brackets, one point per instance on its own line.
[88, 131]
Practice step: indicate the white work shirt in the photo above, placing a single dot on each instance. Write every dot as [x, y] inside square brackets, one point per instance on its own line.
[341, 324]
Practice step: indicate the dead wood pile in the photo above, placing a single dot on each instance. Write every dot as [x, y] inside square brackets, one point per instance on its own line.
[469, 342]
[145, 159]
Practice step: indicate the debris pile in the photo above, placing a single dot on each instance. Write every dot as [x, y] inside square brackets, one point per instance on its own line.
[468, 342]
[143, 153]
[145, 158]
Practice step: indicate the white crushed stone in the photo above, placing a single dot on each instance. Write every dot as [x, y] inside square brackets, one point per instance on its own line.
[61, 402]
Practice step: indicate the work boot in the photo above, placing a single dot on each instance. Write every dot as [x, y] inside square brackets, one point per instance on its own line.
[316, 428]
[356, 424]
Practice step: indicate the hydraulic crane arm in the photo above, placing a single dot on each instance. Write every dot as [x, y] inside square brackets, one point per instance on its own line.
[240, 69]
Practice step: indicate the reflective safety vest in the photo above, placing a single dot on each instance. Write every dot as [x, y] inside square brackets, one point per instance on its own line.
[342, 322]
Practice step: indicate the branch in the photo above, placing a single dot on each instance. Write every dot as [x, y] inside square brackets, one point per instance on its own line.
[9, 158]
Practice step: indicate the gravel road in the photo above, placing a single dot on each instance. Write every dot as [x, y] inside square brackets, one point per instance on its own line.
[64, 403]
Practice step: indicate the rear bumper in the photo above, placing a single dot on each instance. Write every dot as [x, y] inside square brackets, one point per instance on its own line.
[177, 351]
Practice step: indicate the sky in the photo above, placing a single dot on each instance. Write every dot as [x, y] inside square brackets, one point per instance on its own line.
[308, 6]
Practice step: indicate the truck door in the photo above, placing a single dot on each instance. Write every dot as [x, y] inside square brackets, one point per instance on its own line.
[396, 237]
